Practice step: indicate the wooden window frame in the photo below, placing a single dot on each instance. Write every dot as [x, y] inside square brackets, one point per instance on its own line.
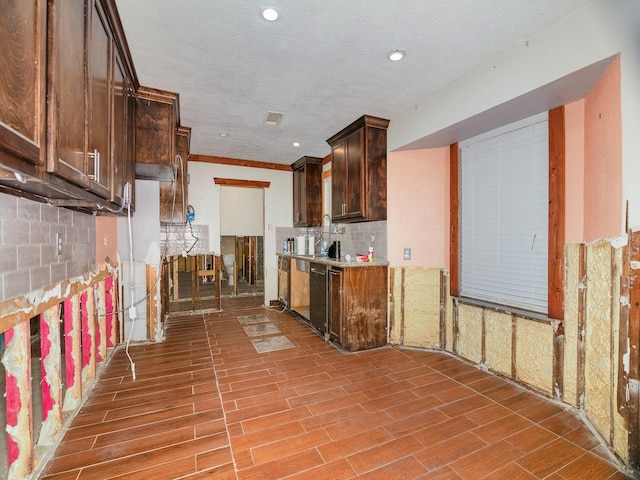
[556, 216]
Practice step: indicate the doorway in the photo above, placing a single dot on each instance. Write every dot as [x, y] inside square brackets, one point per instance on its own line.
[242, 241]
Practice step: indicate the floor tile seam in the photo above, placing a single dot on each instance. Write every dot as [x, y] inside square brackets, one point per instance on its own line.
[181, 404]
[391, 462]
[449, 463]
[120, 430]
[224, 412]
[448, 439]
[146, 452]
[98, 407]
[160, 387]
[107, 447]
[157, 374]
[611, 459]
[351, 456]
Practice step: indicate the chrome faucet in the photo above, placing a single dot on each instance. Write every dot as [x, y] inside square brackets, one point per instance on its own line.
[328, 232]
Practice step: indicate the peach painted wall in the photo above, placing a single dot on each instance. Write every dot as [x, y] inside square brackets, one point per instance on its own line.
[603, 158]
[418, 207]
[574, 181]
[106, 240]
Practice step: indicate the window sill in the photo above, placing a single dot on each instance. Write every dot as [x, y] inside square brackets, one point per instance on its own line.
[526, 314]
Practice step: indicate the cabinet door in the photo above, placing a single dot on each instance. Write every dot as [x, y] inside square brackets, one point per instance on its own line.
[299, 198]
[354, 172]
[335, 305]
[284, 281]
[99, 114]
[119, 150]
[313, 194]
[130, 130]
[338, 180]
[67, 89]
[22, 84]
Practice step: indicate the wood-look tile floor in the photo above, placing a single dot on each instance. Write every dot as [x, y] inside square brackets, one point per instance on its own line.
[206, 404]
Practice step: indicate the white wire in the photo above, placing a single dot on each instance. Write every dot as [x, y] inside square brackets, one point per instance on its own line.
[133, 320]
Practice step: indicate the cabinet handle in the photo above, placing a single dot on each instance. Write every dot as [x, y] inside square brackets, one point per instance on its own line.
[96, 165]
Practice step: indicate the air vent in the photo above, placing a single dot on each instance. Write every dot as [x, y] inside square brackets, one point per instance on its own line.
[273, 118]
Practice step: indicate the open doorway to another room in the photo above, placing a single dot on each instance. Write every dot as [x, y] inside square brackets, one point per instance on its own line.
[242, 241]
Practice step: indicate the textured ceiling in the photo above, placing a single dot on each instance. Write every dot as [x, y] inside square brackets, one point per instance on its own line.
[322, 63]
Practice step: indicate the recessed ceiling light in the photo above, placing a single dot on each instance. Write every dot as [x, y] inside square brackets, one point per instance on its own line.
[296, 144]
[396, 55]
[223, 134]
[270, 14]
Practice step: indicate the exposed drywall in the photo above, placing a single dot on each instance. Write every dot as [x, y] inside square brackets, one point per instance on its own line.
[534, 354]
[498, 336]
[470, 332]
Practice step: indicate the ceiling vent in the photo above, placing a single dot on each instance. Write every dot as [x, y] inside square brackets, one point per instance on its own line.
[273, 118]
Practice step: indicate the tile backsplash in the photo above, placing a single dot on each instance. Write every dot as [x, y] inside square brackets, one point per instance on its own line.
[355, 238]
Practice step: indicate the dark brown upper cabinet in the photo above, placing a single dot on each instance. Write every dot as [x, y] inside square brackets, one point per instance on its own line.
[22, 86]
[91, 89]
[307, 192]
[123, 135]
[359, 171]
[157, 118]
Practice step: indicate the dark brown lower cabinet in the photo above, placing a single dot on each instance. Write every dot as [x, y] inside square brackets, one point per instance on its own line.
[358, 307]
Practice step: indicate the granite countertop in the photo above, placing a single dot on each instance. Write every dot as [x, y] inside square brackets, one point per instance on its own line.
[334, 262]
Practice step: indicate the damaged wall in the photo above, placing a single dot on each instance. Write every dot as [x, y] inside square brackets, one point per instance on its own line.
[582, 370]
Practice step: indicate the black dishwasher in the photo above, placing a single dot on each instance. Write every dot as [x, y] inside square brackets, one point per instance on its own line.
[318, 300]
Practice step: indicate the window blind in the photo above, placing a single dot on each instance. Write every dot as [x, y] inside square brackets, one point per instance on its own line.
[504, 216]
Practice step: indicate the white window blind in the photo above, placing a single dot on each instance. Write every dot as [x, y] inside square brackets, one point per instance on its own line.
[504, 215]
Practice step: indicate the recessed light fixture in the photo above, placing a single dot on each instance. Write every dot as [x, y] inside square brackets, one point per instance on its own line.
[270, 14]
[296, 144]
[396, 55]
[223, 134]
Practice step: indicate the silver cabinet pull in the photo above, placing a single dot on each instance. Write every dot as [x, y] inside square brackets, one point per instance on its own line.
[96, 165]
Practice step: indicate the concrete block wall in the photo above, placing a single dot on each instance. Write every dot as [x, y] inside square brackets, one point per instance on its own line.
[28, 257]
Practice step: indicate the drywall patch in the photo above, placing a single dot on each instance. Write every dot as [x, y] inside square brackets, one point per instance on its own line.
[470, 332]
[498, 328]
[534, 354]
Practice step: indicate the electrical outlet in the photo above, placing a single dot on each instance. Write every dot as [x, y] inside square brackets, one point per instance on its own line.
[407, 253]
[58, 244]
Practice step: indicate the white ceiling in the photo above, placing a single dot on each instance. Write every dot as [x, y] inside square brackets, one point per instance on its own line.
[322, 63]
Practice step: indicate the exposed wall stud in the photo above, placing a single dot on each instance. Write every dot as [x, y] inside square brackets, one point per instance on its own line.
[17, 364]
[51, 375]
